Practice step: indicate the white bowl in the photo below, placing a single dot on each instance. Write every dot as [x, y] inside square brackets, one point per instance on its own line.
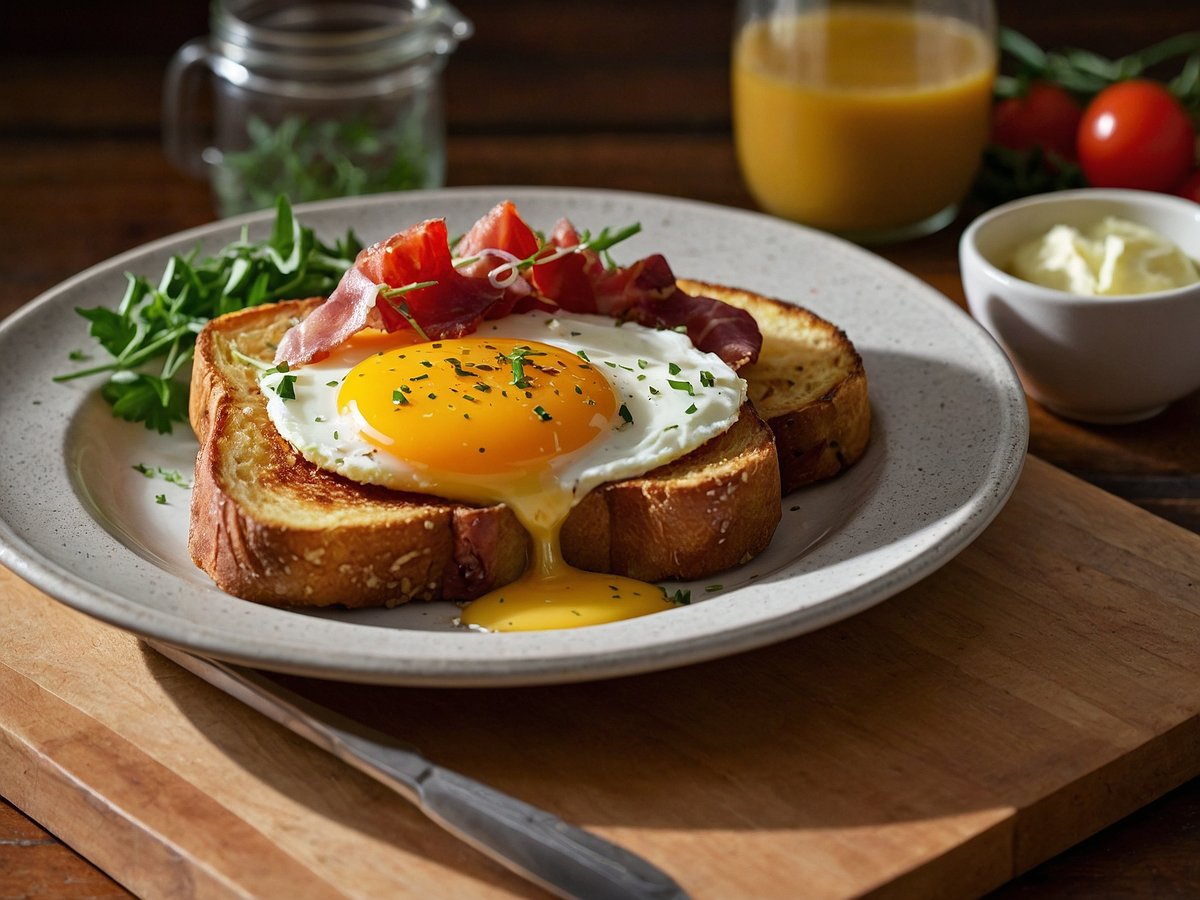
[1095, 359]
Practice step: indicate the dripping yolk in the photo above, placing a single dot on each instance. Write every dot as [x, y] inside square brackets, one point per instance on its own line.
[478, 407]
[484, 420]
[558, 596]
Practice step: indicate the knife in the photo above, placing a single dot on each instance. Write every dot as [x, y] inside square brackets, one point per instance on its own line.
[539, 846]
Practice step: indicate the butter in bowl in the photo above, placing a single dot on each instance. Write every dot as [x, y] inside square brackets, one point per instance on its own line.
[1094, 295]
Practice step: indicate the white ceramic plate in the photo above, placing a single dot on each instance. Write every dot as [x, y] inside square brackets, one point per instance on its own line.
[949, 437]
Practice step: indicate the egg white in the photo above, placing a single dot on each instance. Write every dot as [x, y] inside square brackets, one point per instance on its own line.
[663, 421]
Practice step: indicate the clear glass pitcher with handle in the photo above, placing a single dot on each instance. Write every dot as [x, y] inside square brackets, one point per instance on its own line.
[312, 99]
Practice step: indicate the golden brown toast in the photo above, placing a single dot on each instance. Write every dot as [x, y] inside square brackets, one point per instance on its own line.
[268, 526]
[809, 385]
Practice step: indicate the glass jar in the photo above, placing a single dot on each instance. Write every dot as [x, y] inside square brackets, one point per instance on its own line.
[867, 118]
[313, 99]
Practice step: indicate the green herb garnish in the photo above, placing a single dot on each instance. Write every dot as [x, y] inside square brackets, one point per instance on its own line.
[286, 387]
[168, 475]
[151, 333]
[517, 359]
[390, 293]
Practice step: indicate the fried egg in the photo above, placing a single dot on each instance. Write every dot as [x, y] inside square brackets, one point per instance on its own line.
[532, 410]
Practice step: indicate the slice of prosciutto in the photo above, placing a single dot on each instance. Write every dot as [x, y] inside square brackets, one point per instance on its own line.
[645, 293]
[493, 277]
[452, 307]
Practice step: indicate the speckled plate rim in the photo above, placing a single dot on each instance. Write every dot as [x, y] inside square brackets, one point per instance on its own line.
[949, 438]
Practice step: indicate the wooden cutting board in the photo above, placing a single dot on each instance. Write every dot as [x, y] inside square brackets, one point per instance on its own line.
[1043, 684]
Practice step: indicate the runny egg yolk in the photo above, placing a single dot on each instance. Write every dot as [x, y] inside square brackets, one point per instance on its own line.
[486, 420]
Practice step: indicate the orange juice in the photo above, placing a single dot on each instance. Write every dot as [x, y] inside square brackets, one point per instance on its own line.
[858, 120]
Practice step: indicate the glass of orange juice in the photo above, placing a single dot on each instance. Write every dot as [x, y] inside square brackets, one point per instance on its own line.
[866, 119]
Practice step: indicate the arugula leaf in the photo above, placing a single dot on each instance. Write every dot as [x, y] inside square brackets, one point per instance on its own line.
[155, 324]
[157, 402]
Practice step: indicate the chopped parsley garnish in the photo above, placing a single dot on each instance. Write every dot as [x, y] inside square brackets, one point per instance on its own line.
[168, 475]
[541, 413]
[582, 355]
[160, 499]
[286, 387]
[707, 379]
[681, 386]
[673, 368]
[517, 359]
[390, 293]
[399, 398]
[625, 414]
[331, 383]
[681, 597]
[691, 409]
[642, 364]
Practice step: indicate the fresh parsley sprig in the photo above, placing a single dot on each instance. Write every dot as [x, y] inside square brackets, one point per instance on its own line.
[151, 333]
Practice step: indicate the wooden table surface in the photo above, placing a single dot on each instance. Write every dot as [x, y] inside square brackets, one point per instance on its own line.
[628, 96]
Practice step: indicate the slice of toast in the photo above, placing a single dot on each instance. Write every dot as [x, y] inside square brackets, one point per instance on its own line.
[268, 526]
[809, 385]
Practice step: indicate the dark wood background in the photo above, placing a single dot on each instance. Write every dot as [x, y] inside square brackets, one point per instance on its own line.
[626, 95]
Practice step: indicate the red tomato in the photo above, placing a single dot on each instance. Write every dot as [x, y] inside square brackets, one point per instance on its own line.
[1190, 187]
[1047, 117]
[1134, 134]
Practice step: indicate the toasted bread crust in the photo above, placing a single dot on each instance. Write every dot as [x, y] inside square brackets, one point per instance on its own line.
[268, 526]
[809, 385]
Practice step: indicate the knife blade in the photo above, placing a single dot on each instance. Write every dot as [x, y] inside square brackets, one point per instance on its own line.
[562, 858]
